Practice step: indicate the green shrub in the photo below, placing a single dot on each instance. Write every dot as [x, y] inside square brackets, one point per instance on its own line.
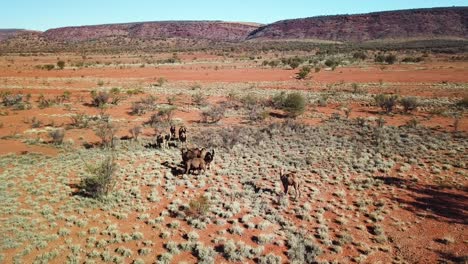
[199, 99]
[102, 179]
[360, 55]
[294, 104]
[386, 102]
[391, 59]
[48, 67]
[61, 64]
[409, 103]
[303, 73]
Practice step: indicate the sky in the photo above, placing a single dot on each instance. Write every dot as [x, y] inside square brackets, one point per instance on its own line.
[45, 14]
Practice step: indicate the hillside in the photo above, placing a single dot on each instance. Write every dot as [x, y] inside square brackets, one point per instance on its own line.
[212, 30]
[403, 24]
[447, 24]
[8, 33]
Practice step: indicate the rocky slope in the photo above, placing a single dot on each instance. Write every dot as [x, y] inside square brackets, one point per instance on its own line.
[8, 33]
[212, 30]
[403, 24]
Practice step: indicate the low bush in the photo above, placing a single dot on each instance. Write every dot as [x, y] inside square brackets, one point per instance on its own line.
[213, 114]
[102, 179]
[302, 249]
[106, 131]
[409, 103]
[57, 136]
[199, 99]
[303, 73]
[293, 104]
[386, 102]
[99, 99]
[199, 206]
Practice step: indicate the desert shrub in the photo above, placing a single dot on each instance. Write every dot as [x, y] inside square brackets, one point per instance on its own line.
[391, 59]
[144, 105]
[199, 206]
[294, 64]
[115, 95]
[412, 59]
[294, 104]
[15, 101]
[204, 254]
[80, 120]
[99, 99]
[269, 259]
[160, 81]
[303, 73]
[412, 123]
[386, 101]
[102, 179]
[250, 100]
[213, 114]
[61, 64]
[360, 55]
[35, 122]
[136, 131]
[138, 108]
[44, 102]
[48, 67]
[302, 250]
[463, 103]
[409, 103]
[57, 135]
[172, 99]
[257, 114]
[134, 91]
[330, 63]
[106, 131]
[167, 113]
[199, 99]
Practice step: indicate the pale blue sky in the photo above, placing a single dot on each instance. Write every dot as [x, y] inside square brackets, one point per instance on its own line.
[45, 14]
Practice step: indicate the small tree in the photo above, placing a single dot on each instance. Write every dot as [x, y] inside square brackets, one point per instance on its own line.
[386, 102]
[61, 64]
[303, 73]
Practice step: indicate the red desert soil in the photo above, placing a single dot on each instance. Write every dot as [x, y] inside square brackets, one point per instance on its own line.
[420, 73]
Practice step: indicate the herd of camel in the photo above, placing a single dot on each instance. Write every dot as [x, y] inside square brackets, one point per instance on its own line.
[201, 159]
